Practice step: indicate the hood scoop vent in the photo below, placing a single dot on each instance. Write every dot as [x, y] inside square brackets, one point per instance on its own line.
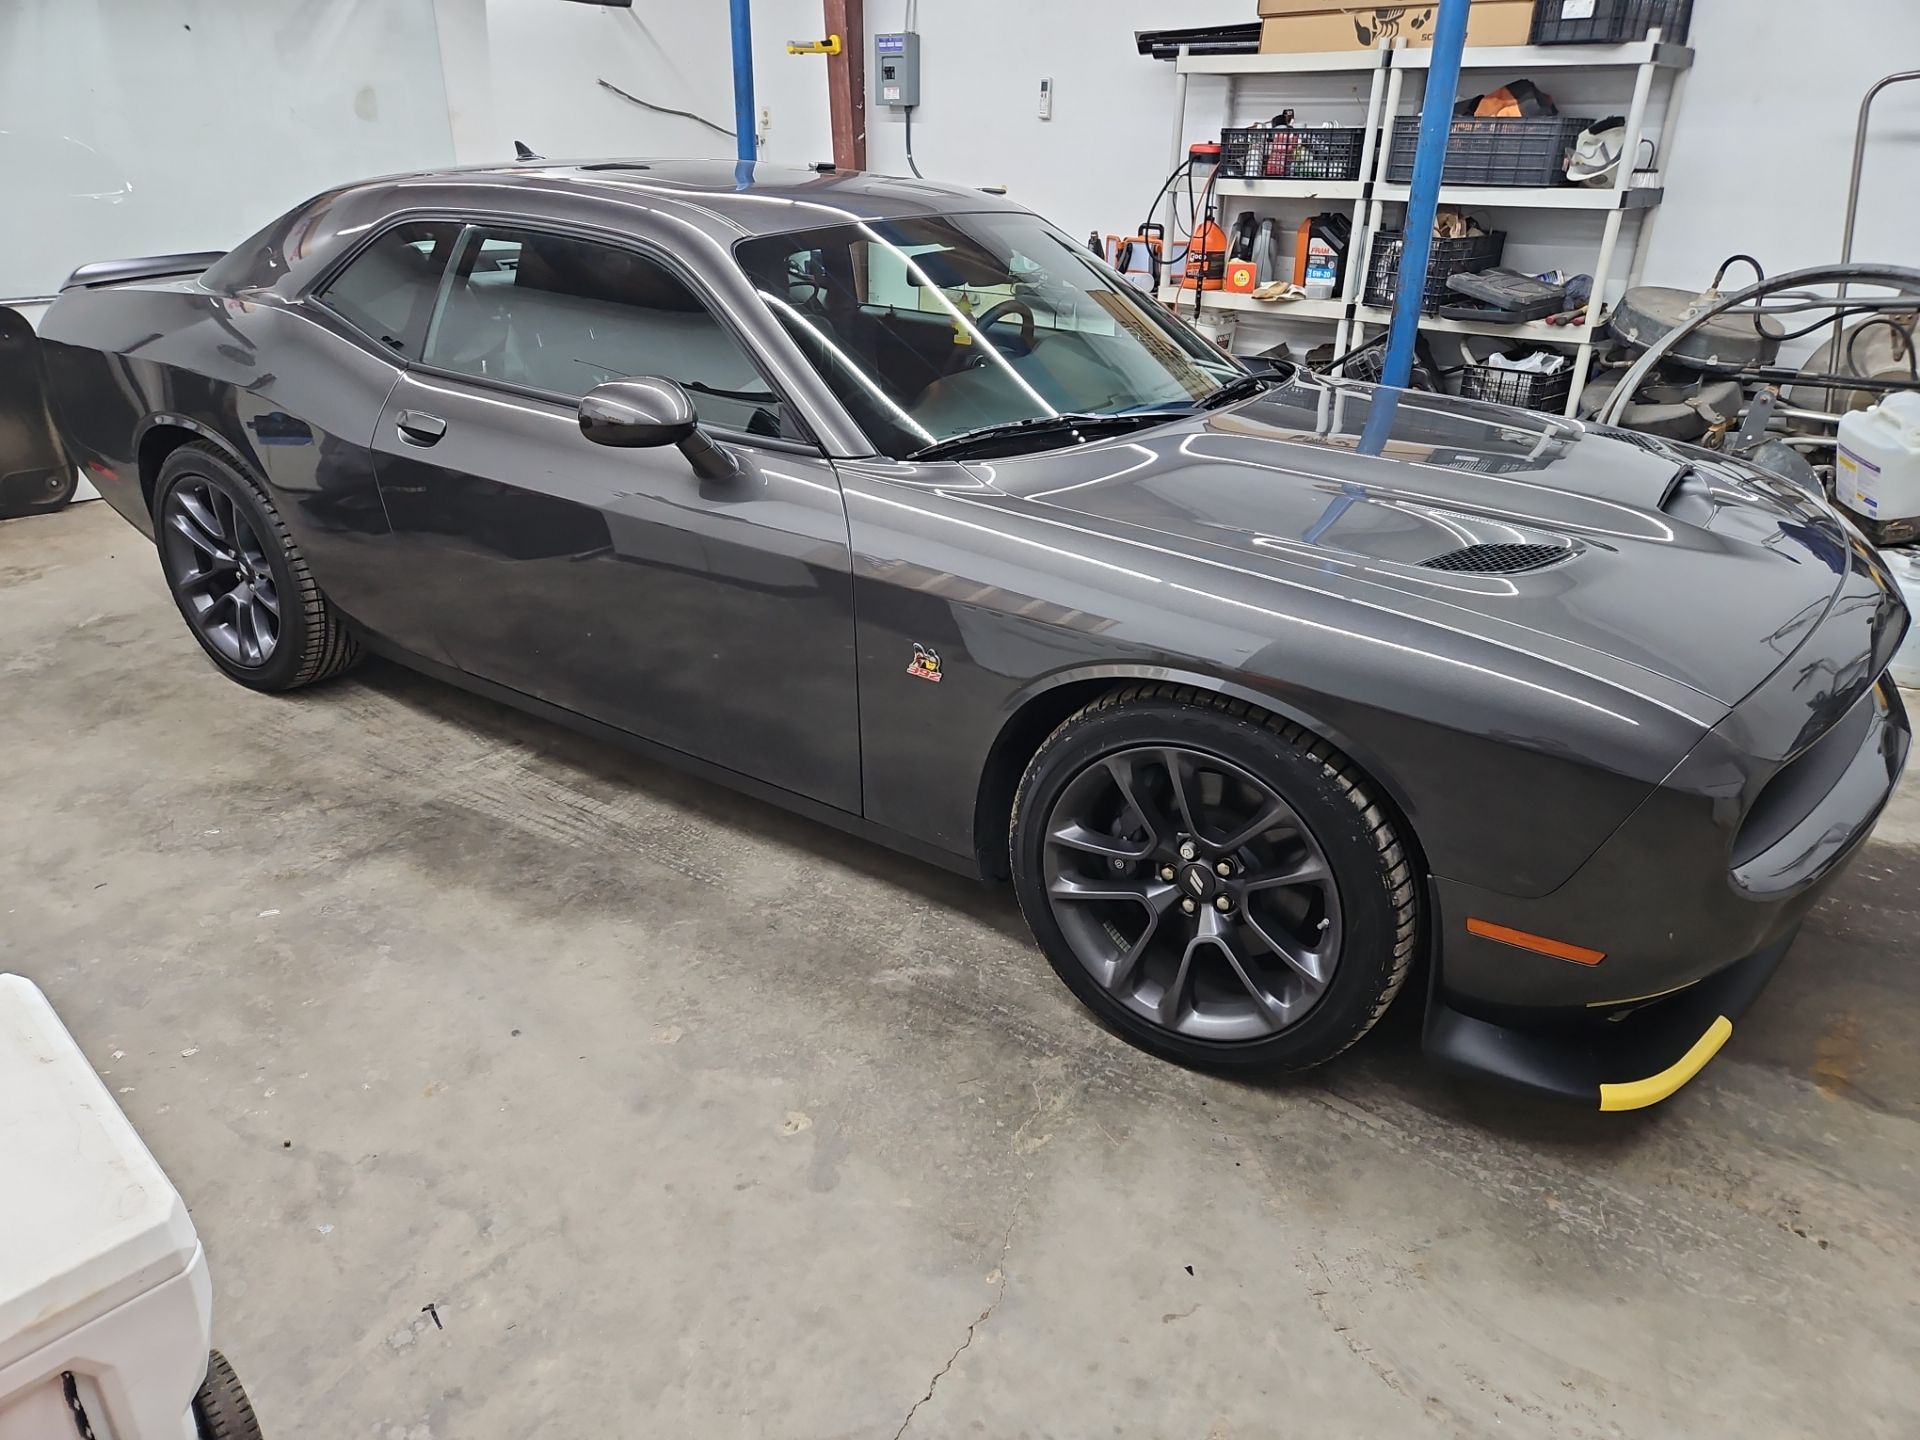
[1498, 559]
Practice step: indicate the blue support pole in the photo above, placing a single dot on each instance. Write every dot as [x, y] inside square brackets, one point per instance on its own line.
[1429, 158]
[745, 126]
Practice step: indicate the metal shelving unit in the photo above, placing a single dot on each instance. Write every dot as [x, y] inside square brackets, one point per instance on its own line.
[1650, 60]
[1356, 193]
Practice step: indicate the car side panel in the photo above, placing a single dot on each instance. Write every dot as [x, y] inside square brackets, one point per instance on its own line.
[709, 615]
[1013, 603]
[293, 400]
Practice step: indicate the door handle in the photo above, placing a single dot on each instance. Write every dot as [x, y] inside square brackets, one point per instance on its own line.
[418, 428]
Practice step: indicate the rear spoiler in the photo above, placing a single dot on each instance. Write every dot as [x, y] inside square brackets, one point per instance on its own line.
[151, 267]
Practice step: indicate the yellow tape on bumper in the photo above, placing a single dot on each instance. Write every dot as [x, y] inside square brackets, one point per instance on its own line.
[1637, 1094]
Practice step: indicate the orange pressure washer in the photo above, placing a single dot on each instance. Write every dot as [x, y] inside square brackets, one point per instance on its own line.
[1140, 257]
[1206, 256]
[1206, 252]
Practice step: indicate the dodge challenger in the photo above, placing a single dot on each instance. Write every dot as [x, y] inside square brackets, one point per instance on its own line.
[885, 501]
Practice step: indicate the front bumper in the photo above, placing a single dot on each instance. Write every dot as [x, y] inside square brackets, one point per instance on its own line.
[1682, 953]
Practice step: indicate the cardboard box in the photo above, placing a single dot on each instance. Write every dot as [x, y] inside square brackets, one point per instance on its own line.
[1293, 29]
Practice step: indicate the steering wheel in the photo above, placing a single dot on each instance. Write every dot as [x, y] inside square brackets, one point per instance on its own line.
[1000, 312]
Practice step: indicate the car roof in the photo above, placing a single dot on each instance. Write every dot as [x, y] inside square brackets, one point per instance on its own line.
[728, 198]
[720, 200]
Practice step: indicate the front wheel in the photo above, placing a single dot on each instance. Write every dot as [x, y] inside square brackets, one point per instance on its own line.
[1218, 885]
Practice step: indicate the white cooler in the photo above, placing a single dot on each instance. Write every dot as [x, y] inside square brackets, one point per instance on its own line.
[102, 1278]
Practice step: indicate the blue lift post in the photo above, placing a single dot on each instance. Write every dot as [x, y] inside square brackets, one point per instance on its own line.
[745, 127]
[1423, 198]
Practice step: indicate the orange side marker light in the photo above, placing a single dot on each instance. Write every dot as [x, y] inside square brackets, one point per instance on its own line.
[1539, 944]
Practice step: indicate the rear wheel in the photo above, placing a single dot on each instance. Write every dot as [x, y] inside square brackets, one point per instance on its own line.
[240, 581]
[1218, 885]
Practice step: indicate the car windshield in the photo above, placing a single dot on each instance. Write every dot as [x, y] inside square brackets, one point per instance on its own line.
[940, 326]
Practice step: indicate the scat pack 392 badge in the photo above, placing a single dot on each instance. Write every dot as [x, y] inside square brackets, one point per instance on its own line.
[926, 664]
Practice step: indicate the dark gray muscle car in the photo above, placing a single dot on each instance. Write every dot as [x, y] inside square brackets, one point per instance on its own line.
[886, 501]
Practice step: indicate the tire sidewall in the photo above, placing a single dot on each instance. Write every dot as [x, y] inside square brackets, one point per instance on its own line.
[1333, 811]
[193, 463]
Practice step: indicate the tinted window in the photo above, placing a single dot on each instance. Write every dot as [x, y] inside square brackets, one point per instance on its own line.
[564, 315]
[932, 327]
[387, 291]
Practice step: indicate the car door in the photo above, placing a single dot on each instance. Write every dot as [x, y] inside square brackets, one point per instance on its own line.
[713, 616]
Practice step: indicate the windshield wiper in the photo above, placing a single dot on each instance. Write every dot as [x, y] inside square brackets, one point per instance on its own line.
[1249, 384]
[1039, 426]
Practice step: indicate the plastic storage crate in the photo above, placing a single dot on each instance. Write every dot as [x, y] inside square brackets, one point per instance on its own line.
[1368, 365]
[1482, 150]
[1517, 387]
[1609, 22]
[1262, 153]
[1450, 257]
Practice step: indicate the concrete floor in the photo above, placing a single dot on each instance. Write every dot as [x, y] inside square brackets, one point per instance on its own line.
[689, 1117]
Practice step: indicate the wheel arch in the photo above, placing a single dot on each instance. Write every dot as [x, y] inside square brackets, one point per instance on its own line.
[160, 435]
[1037, 709]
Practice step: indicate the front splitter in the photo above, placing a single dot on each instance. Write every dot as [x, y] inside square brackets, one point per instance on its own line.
[1624, 1064]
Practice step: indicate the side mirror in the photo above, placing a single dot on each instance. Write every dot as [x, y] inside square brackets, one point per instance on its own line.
[636, 414]
[647, 411]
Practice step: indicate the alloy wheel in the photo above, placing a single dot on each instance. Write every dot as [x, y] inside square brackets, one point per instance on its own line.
[1192, 892]
[220, 572]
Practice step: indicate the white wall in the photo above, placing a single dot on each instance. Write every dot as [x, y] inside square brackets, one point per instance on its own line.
[1759, 161]
[135, 127]
[547, 58]
[1766, 137]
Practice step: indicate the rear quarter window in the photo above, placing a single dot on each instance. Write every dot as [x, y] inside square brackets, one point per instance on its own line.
[387, 291]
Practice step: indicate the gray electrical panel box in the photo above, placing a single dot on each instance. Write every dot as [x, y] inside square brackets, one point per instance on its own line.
[896, 68]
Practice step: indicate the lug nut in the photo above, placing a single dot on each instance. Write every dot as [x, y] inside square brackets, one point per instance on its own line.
[1223, 869]
[1166, 872]
[1222, 903]
[1188, 906]
[1187, 852]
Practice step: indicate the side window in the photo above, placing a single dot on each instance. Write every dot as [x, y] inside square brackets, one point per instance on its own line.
[387, 291]
[564, 315]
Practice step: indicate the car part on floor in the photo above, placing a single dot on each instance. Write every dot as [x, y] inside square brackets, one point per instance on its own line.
[1881, 350]
[1648, 313]
[35, 474]
[1695, 334]
[1675, 404]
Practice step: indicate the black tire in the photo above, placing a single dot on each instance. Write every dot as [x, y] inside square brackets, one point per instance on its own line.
[1367, 879]
[311, 640]
[221, 1410]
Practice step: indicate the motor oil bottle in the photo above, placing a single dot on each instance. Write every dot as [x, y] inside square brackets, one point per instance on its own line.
[1320, 254]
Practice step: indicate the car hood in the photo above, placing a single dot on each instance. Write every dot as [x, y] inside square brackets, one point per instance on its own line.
[1669, 559]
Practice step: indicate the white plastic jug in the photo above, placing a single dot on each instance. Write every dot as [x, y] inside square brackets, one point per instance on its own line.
[1905, 565]
[1878, 473]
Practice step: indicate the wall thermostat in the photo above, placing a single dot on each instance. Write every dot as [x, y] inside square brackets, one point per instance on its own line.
[896, 68]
